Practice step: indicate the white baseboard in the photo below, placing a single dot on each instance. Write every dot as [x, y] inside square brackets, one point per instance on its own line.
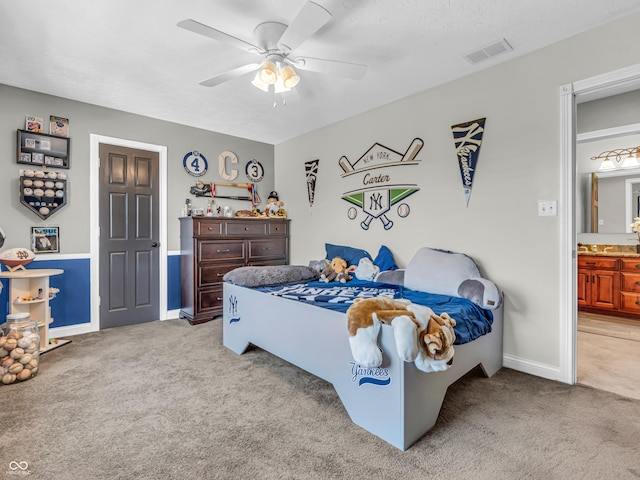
[172, 314]
[549, 372]
[70, 330]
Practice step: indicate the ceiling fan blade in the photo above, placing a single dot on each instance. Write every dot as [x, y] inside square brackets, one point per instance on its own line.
[354, 71]
[230, 75]
[202, 29]
[309, 20]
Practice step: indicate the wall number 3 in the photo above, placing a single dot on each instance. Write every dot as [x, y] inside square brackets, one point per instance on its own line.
[254, 170]
[195, 164]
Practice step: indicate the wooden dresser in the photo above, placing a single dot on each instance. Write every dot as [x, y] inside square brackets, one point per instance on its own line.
[213, 246]
[609, 284]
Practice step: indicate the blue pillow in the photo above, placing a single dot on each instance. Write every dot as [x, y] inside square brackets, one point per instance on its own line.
[384, 260]
[350, 254]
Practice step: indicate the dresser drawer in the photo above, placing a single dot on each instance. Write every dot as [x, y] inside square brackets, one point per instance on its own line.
[604, 263]
[277, 229]
[207, 227]
[246, 228]
[211, 274]
[211, 250]
[630, 265]
[265, 249]
[209, 299]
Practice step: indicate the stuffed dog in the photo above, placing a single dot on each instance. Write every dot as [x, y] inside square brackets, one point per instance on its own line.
[421, 336]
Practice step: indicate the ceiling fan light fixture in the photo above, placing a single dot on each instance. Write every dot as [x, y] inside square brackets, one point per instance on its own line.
[258, 83]
[289, 77]
[268, 72]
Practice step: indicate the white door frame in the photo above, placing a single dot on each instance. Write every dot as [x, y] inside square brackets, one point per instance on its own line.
[94, 219]
[600, 86]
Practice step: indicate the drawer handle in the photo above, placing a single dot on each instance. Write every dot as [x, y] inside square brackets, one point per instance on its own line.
[219, 274]
[225, 250]
[210, 229]
[219, 298]
[637, 265]
[268, 248]
[637, 283]
[590, 263]
[637, 303]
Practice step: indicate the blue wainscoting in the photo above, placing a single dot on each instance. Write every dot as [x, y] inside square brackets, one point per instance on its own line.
[174, 299]
[72, 305]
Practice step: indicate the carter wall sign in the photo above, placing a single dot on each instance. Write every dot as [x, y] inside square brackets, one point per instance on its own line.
[377, 191]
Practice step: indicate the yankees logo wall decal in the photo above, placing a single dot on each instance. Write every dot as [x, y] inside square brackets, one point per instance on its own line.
[377, 192]
[467, 138]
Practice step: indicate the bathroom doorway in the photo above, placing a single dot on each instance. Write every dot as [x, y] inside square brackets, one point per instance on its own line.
[608, 346]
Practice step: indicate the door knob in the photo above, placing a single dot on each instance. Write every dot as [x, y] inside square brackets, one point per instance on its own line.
[155, 244]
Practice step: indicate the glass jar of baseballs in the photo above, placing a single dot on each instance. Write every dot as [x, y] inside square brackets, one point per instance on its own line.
[19, 348]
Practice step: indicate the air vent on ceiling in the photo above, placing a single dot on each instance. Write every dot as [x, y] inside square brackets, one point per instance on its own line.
[489, 51]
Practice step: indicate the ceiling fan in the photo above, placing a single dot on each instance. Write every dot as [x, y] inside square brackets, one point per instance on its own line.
[276, 42]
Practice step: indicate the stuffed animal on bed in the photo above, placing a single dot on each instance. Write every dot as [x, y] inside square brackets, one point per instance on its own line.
[421, 336]
[366, 270]
[336, 271]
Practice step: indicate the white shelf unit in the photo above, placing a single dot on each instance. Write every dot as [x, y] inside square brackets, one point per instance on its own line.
[26, 284]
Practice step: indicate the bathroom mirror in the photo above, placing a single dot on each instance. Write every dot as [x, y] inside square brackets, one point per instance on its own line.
[607, 201]
[611, 201]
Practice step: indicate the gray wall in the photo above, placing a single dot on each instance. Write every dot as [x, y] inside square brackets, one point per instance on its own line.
[519, 165]
[73, 219]
[615, 111]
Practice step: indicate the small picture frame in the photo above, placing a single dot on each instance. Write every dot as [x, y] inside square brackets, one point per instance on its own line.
[58, 126]
[45, 239]
[45, 144]
[34, 124]
[37, 158]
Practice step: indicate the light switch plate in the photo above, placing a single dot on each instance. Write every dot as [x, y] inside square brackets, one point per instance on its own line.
[547, 208]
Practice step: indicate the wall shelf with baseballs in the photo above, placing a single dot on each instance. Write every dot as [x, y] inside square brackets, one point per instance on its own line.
[44, 193]
[41, 149]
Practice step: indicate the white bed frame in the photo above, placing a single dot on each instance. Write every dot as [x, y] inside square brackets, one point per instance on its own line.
[404, 403]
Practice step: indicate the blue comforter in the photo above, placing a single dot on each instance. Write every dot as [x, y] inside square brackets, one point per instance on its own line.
[471, 321]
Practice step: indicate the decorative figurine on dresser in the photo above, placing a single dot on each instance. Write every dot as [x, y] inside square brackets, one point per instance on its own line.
[213, 246]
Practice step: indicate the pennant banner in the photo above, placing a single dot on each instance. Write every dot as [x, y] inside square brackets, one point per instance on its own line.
[311, 169]
[467, 138]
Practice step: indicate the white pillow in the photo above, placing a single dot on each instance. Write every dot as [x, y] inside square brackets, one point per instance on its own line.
[482, 292]
[439, 271]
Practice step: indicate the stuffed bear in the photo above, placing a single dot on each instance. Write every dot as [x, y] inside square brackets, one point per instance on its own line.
[421, 336]
[336, 271]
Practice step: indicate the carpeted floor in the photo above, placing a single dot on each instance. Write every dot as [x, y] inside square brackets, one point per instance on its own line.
[165, 400]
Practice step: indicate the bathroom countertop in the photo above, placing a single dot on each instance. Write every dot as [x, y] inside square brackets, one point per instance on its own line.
[598, 250]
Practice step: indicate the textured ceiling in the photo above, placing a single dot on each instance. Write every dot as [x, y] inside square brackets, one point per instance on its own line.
[131, 56]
